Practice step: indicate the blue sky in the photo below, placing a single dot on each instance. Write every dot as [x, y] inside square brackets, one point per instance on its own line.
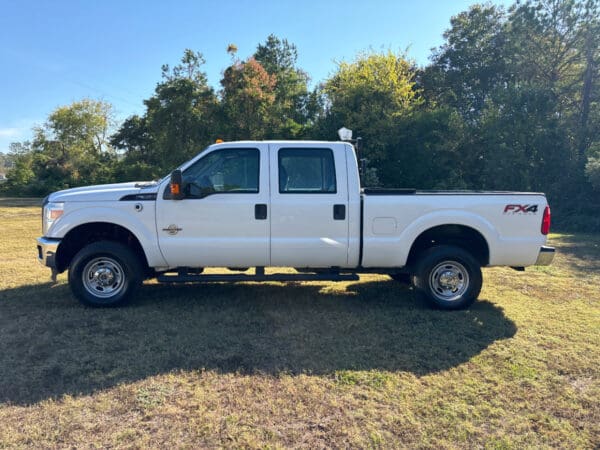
[55, 52]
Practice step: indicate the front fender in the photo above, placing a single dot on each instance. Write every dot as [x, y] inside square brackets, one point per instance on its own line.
[141, 224]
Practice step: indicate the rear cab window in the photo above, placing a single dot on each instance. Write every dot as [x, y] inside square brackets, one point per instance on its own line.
[306, 171]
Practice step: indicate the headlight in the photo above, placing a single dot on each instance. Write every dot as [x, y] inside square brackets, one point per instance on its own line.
[52, 211]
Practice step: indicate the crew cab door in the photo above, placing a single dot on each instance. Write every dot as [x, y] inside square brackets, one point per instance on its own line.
[223, 219]
[309, 205]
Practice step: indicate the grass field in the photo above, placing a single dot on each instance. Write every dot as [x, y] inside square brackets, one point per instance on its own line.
[360, 364]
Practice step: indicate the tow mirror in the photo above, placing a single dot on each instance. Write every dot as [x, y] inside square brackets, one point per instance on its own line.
[176, 185]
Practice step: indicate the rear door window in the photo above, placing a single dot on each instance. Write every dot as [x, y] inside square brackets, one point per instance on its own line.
[306, 171]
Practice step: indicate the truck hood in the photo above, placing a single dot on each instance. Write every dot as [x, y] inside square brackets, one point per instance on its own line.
[104, 192]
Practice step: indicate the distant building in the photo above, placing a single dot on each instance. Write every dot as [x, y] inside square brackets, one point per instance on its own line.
[2, 177]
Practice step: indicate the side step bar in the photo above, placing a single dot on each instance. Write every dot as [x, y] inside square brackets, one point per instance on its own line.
[259, 276]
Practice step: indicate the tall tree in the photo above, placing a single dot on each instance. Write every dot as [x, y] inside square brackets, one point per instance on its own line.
[293, 108]
[564, 36]
[589, 122]
[70, 149]
[20, 174]
[524, 80]
[368, 96]
[471, 63]
[248, 99]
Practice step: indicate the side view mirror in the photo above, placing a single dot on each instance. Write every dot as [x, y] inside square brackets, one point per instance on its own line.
[177, 185]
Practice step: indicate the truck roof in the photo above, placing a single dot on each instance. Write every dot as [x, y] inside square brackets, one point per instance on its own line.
[279, 142]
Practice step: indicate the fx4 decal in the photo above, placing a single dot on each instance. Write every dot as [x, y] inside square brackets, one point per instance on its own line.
[520, 209]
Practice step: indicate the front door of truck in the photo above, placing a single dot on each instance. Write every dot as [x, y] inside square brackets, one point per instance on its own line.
[309, 205]
[224, 218]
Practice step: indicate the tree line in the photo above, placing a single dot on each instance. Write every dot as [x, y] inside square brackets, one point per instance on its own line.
[510, 101]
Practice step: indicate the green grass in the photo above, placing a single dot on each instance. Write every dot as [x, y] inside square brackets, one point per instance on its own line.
[360, 364]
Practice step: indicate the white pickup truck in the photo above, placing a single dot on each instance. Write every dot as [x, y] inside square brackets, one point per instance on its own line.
[285, 204]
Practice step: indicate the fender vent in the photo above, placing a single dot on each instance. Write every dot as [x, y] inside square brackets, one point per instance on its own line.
[138, 197]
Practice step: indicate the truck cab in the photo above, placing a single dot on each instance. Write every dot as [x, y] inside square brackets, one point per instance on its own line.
[249, 204]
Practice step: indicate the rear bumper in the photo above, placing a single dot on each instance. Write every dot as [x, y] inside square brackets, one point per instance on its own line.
[47, 251]
[545, 256]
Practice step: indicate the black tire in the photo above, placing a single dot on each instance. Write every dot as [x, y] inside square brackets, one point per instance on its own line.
[447, 277]
[400, 277]
[105, 273]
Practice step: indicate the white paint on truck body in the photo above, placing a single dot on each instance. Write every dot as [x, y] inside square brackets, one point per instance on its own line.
[300, 228]
[512, 241]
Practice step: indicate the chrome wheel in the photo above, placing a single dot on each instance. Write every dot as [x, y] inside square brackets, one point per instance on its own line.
[103, 277]
[449, 280]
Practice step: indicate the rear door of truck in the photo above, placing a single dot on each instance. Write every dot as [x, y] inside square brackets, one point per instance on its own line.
[309, 205]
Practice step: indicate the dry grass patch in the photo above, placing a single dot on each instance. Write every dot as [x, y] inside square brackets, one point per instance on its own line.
[361, 364]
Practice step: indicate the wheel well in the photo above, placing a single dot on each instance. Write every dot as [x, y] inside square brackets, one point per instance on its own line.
[85, 234]
[461, 236]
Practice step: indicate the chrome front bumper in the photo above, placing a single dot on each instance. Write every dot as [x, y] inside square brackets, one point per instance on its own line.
[47, 251]
[545, 256]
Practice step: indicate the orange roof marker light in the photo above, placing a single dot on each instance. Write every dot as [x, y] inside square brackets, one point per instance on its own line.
[219, 141]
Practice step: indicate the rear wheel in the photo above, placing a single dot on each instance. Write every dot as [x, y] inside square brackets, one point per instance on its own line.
[448, 277]
[105, 273]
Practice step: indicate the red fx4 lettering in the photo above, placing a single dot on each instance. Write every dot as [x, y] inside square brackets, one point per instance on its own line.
[520, 209]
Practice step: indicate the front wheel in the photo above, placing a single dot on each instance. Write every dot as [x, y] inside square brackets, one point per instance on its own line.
[448, 277]
[104, 273]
